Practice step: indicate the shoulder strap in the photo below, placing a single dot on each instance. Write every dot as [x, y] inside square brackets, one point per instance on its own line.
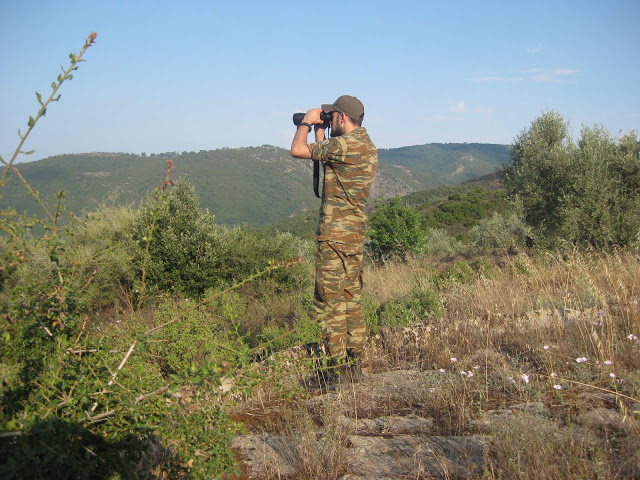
[316, 178]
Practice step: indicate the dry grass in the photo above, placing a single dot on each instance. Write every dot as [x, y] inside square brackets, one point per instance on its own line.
[559, 329]
[393, 279]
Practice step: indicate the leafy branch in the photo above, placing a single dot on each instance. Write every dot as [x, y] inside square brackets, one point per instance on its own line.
[53, 97]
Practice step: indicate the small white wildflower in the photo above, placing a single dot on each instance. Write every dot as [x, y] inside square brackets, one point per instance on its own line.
[558, 387]
[525, 378]
[612, 375]
[511, 380]
[454, 359]
[632, 337]
[470, 373]
[476, 367]
[608, 362]
[432, 390]
[442, 370]
[546, 347]
[463, 373]
[553, 375]
[581, 359]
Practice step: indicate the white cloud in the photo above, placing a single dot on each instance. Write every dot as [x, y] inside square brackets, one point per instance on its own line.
[556, 75]
[534, 50]
[443, 118]
[497, 78]
[461, 107]
[458, 107]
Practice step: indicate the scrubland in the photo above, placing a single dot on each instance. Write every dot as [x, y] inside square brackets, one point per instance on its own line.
[141, 341]
[554, 330]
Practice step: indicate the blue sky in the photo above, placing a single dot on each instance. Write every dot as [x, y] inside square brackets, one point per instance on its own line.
[199, 75]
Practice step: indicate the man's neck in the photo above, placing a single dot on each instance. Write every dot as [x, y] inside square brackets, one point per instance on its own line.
[349, 128]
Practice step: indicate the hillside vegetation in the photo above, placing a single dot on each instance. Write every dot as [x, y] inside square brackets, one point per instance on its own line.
[256, 186]
[141, 341]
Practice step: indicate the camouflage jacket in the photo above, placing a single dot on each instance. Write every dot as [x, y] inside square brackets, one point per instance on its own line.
[350, 162]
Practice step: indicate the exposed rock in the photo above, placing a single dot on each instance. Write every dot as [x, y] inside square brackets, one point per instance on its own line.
[601, 418]
[388, 393]
[266, 455]
[410, 424]
[567, 316]
[376, 457]
[376, 429]
[598, 399]
[406, 456]
[505, 415]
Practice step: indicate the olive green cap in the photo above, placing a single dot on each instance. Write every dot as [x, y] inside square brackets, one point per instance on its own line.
[350, 106]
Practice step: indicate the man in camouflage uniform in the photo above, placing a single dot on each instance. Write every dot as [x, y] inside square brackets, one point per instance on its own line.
[350, 160]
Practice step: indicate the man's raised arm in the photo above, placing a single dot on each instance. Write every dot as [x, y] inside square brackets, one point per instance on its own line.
[299, 148]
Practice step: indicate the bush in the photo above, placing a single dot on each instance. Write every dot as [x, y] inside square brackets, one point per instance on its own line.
[439, 243]
[69, 406]
[503, 232]
[103, 254]
[181, 249]
[460, 273]
[463, 209]
[584, 193]
[395, 229]
[248, 251]
[196, 335]
[403, 312]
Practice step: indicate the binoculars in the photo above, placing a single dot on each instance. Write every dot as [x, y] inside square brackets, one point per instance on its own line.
[324, 116]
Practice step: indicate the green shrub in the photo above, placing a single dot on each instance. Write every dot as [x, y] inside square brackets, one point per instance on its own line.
[92, 258]
[248, 251]
[181, 249]
[198, 334]
[275, 338]
[483, 268]
[439, 243]
[460, 273]
[463, 210]
[584, 193]
[103, 254]
[395, 230]
[501, 231]
[405, 311]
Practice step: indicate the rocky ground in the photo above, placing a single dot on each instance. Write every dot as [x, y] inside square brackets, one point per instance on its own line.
[381, 428]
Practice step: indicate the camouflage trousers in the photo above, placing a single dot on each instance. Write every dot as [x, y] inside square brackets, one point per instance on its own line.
[337, 300]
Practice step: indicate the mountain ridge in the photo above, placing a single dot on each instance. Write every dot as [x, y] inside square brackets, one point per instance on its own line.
[255, 186]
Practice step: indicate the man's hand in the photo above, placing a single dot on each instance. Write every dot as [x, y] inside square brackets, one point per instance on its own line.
[313, 116]
[299, 148]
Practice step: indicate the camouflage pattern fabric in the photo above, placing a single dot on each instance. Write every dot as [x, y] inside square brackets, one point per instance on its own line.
[350, 162]
[337, 300]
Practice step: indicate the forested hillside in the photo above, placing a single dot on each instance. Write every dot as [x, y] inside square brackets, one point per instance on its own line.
[253, 185]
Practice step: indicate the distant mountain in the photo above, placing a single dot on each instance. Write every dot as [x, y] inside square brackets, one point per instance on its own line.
[256, 186]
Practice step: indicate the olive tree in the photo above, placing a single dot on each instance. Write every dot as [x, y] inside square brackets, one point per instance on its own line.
[584, 192]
